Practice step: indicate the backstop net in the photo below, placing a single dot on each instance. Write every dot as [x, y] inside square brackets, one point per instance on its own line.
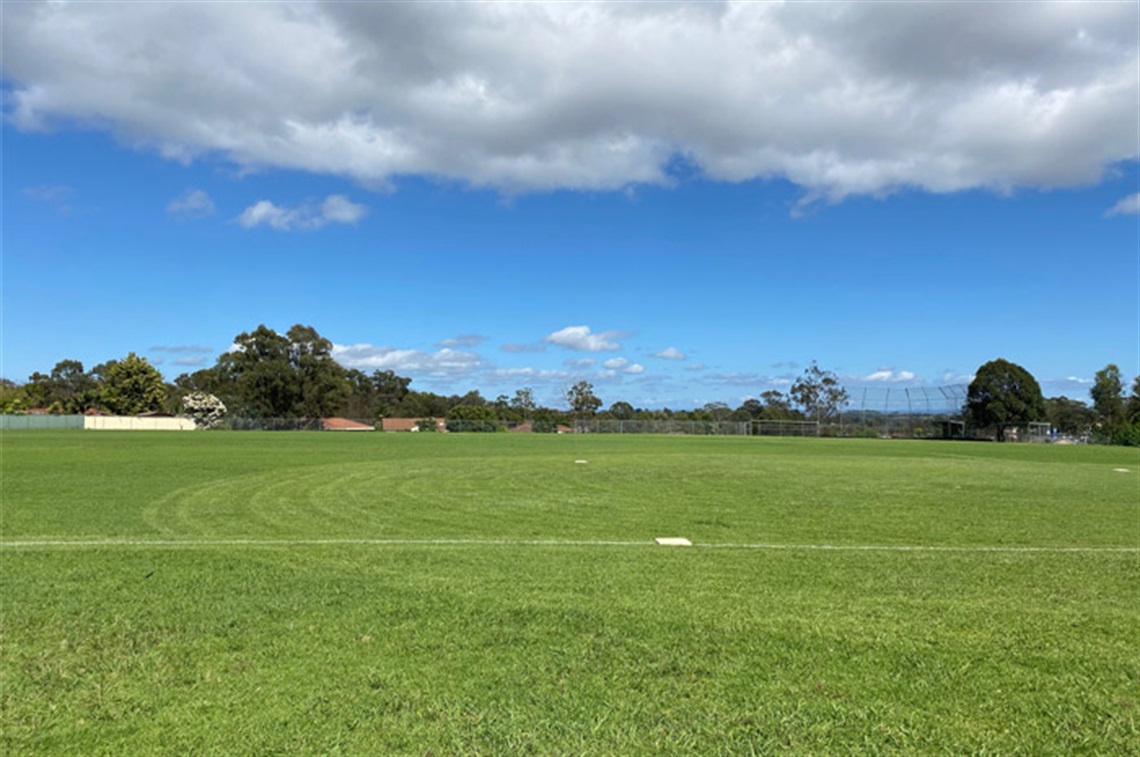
[906, 412]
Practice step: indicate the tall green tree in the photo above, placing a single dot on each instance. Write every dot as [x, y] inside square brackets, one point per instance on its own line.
[583, 402]
[13, 397]
[1002, 395]
[523, 402]
[73, 390]
[132, 386]
[622, 411]
[323, 387]
[258, 375]
[267, 375]
[1133, 406]
[1069, 416]
[819, 393]
[1108, 401]
[390, 391]
[67, 389]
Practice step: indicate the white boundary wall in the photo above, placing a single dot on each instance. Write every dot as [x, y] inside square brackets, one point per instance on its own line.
[125, 423]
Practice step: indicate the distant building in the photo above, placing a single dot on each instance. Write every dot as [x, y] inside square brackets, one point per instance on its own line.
[410, 424]
[344, 424]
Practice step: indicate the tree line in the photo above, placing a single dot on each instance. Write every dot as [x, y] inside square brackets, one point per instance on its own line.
[294, 375]
[1004, 395]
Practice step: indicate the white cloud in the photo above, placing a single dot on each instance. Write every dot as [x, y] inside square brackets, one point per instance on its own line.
[840, 99]
[335, 209]
[1073, 387]
[890, 375]
[580, 338]
[445, 363]
[949, 377]
[735, 378]
[580, 363]
[621, 365]
[191, 205]
[339, 209]
[532, 374]
[265, 212]
[669, 353]
[1129, 206]
[463, 340]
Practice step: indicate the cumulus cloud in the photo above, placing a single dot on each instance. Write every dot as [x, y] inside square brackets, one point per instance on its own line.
[949, 376]
[334, 209]
[889, 375]
[621, 365]
[840, 99]
[1129, 206]
[669, 353]
[445, 363]
[581, 338]
[191, 205]
[580, 363]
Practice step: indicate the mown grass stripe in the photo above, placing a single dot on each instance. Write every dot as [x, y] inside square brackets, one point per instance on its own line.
[152, 543]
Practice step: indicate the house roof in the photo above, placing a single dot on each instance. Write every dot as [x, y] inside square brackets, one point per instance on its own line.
[344, 424]
[406, 424]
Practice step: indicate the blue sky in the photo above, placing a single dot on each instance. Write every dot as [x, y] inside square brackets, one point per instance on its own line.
[674, 245]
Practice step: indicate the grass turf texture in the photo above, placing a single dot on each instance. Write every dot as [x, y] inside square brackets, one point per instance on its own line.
[593, 648]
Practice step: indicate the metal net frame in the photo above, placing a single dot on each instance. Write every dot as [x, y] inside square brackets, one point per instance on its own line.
[922, 412]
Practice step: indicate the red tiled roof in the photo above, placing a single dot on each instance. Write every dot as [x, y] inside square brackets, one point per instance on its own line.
[344, 424]
[407, 424]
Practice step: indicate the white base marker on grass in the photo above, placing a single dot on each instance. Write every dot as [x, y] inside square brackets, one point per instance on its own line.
[673, 541]
[580, 462]
[1120, 470]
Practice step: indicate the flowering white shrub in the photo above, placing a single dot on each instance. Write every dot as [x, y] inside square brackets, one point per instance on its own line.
[205, 410]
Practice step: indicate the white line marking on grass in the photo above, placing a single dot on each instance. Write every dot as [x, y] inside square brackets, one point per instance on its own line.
[177, 543]
[913, 548]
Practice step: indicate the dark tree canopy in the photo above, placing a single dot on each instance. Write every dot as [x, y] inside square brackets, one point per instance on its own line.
[622, 411]
[473, 418]
[1003, 394]
[1069, 416]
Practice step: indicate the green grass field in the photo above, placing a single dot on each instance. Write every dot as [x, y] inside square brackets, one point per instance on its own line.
[293, 593]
